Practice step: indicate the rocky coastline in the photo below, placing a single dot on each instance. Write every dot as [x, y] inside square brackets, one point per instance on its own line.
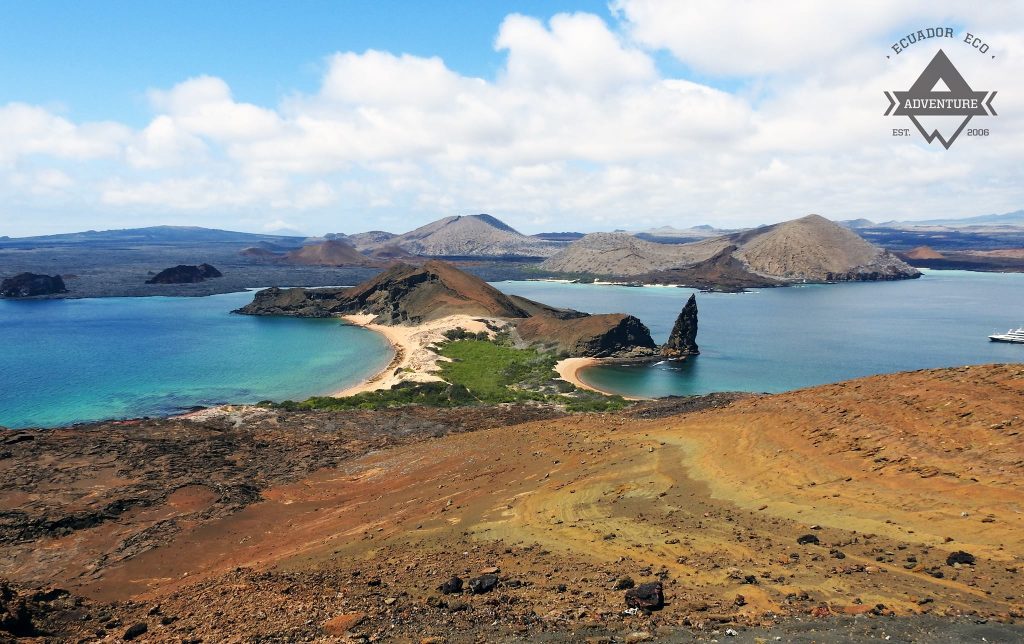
[438, 295]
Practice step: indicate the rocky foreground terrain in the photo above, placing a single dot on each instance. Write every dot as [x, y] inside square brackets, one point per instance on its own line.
[886, 508]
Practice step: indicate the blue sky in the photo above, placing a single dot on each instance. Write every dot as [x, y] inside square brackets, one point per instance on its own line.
[345, 116]
[96, 59]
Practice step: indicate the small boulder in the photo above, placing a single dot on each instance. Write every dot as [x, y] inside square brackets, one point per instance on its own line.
[624, 583]
[960, 557]
[452, 586]
[649, 596]
[808, 539]
[136, 630]
[342, 624]
[483, 584]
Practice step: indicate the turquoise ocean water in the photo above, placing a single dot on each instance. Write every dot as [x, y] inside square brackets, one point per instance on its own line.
[786, 338]
[65, 361]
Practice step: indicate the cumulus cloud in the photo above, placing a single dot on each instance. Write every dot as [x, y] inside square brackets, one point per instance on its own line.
[769, 37]
[579, 129]
[28, 130]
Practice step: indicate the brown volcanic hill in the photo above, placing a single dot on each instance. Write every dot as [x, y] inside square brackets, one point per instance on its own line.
[721, 272]
[261, 254]
[923, 252]
[597, 336]
[332, 252]
[369, 239]
[402, 293]
[416, 294]
[814, 248]
[624, 255]
[811, 248]
[390, 252]
[465, 236]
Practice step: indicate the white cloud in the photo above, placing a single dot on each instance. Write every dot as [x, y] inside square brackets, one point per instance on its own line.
[204, 106]
[577, 130]
[165, 143]
[752, 37]
[28, 130]
[577, 51]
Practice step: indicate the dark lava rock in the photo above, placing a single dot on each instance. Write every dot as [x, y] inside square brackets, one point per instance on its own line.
[452, 586]
[15, 616]
[135, 631]
[624, 583]
[31, 284]
[682, 341]
[648, 596]
[960, 557]
[483, 584]
[808, 539]
[184, 274]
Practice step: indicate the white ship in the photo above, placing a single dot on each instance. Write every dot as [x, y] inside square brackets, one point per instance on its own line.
[1013, 335]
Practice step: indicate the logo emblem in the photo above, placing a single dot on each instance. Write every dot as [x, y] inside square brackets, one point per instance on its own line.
[941, 91]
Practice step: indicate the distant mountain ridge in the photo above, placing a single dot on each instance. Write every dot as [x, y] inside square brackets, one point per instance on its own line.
[1015, 218]
[461, 236]
[153, 234]
[811, 248]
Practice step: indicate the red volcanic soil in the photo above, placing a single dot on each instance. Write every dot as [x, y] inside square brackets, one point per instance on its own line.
[892, 495]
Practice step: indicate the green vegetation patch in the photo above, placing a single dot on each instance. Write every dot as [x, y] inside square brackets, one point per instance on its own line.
[478, 371]
[494, 374]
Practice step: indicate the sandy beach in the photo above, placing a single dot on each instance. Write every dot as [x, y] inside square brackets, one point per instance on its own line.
[569, 369]
[414, 361]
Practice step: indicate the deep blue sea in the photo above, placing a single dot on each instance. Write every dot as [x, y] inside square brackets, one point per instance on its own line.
[786, 338]
[65, 361]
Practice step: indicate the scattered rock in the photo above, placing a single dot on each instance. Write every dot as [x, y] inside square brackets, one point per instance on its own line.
[136, 630]
[342, 624]
[649, 596]
[483, 584]
[960, 557]
[624, 583]
[15, 617]
[452, 586]
[808, 539]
